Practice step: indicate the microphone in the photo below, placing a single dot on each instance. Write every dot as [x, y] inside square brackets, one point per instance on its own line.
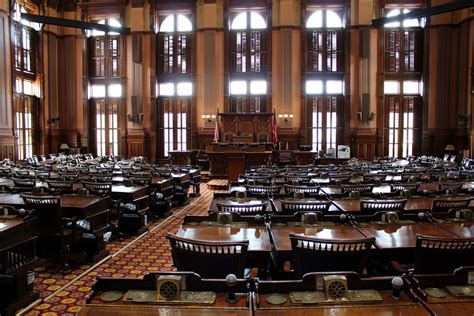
[397, 285]
[231, 281]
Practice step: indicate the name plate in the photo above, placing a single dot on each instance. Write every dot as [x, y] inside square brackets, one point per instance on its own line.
[353, 296]
[466, 290]
[186, 298]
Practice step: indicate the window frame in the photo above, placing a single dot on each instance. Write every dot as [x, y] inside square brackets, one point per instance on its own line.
[109, 143]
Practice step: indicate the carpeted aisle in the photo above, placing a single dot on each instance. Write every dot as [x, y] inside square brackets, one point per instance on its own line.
[149, 253]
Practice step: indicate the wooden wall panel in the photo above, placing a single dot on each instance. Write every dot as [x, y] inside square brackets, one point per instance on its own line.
[5, 101]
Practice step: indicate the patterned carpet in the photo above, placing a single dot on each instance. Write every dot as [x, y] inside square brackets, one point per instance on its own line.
[150, 253]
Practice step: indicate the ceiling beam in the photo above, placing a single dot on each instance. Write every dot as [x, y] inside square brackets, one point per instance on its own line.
[74, 23]
[420, 13]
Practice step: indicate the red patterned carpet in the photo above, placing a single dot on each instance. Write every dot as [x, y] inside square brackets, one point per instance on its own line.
[129, 259]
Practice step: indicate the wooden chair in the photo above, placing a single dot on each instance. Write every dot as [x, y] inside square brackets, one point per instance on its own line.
[295, 177]
[434, 255]
[98, 187]
[362, 188]
[61, 186]
[263, 189]
[42, 175]
[450, 186]
[413, 187]
[373, 206]
[307, 190]
[56, 235]
[209, 259]
[291, 207]
[440, 205]
[244, 209]
[411, 175]
[319, 255]
[24, 184]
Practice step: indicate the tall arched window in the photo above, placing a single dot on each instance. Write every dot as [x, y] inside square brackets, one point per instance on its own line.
[175, 86]
[26, 91]
[248, 62]
[403, 42]
[106, 91]
[324, 84]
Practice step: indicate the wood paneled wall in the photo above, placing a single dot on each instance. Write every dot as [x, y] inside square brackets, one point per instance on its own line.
[448, 77]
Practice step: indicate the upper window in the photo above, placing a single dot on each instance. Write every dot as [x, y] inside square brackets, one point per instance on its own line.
[324, 18]
[110, 21]
[324, 41]
[403, 44]
[405, 23]
[174, 44]
[248, 20]
[175, 23]
[248, 42]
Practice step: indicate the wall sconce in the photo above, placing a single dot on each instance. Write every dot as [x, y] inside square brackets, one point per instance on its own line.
[368, 117]
[136, 119]
[463, 119]
[208, 120]
[53, 121]
[286, 120]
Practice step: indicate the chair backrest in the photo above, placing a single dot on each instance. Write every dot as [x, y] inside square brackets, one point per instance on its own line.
[442, 255]
[209, 259]
[319, 255]
[48, 212]
[24, 183]
[60, 185]
[97, 186]
[362, 188]
[413, 187]
[373, 206]
[294, 177]
[244, 209]
[440, 205]
[262, 189]
[291, 207]
[302, 189]
[450, 185]
[411, 175]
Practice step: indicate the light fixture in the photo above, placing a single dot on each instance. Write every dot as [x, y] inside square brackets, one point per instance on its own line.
[365, 117]
[208, 120]
[286, 120]
[450, 148]
[64, 146]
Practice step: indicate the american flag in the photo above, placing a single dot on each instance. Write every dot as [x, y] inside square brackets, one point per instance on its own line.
[216, 130]
[275, 130]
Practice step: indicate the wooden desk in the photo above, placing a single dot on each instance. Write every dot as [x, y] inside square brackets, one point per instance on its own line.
[259, 241]
[17, 255]
[401, 239]
[303, 157]
[135, 223]
[281, 235]
[180, 157]
[95, 210]
[92, 208]
[146, 310]
[414, 203]
[452, 308]
[192, 282]
[450, 305]
[229, 165]
[459, 229]
[389, 307]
